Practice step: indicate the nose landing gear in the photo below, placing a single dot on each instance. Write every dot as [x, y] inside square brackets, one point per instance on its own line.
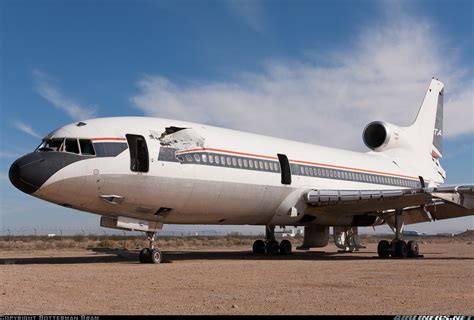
[150, 255]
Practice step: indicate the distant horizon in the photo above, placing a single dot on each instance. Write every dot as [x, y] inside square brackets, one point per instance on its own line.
[186, 230]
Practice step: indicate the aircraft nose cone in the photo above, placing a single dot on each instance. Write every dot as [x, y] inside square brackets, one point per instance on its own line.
[25, 173]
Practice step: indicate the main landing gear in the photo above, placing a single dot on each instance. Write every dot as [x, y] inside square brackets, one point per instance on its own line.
[150, 255]
[398, 248]
[271, 246]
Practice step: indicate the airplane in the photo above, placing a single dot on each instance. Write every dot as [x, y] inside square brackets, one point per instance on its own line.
[140, 173]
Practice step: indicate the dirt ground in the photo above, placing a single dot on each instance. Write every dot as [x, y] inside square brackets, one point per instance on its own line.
[233, 281]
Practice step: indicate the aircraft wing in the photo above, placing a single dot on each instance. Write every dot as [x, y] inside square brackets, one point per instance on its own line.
[417, 205]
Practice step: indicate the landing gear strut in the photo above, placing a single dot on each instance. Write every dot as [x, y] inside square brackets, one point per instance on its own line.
[271, 246]
[150, 255]
[398, 248]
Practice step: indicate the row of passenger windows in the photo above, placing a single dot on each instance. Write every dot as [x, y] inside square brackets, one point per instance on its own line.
[230, 161]
[355, 176]
[77, 146]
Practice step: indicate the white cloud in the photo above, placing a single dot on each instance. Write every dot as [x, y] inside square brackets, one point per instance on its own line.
[250, 12]
[383, 76]
[53, 95]
[26, 129]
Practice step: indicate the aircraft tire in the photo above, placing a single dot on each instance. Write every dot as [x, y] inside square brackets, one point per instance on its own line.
[413, 249]
[155, 256]
[285, 247]
[144, 255]
[272, 247]
[400, 249]
[258, 247]
[383, 249]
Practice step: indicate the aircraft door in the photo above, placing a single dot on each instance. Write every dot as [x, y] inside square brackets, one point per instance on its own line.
[139, 159]
[285, 169]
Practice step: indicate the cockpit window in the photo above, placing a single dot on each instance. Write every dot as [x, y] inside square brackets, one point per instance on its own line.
[72, 146]
[86, 147]
[55, 144]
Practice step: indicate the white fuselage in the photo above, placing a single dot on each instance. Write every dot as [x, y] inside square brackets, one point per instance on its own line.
[196, 191]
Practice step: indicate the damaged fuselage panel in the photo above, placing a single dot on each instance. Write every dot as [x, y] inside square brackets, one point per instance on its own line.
[179, 138]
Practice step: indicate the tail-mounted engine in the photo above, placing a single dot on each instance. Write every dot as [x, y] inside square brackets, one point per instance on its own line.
[381, 136]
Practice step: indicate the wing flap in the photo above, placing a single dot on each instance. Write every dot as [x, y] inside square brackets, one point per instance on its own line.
[418, 205]
[449, 210]
[460, 195]
[362, 201]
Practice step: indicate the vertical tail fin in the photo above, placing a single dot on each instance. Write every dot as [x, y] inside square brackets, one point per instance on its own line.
[428, 125]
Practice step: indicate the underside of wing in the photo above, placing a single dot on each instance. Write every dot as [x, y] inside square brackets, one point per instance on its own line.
[375, 207]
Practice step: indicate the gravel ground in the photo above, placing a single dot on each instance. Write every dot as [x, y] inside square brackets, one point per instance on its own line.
[233, 281]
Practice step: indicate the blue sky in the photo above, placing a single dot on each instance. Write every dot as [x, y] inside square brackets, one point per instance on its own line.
[341, 63]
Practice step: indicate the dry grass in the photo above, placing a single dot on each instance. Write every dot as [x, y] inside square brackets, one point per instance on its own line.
[234, 240]
[130, 242]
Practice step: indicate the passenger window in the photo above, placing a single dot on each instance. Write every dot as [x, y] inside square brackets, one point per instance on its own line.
[211, 158]
[204, 158]
[217, 160]
[250, 163]
[246, 163]
[265, 164]
[229, 162]
[189, 158]
[234, 162]
[223, 160]
[239, 161]
[302, 170]
[138, 153]
[71, 146]
[86, 147]
[197, 158]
